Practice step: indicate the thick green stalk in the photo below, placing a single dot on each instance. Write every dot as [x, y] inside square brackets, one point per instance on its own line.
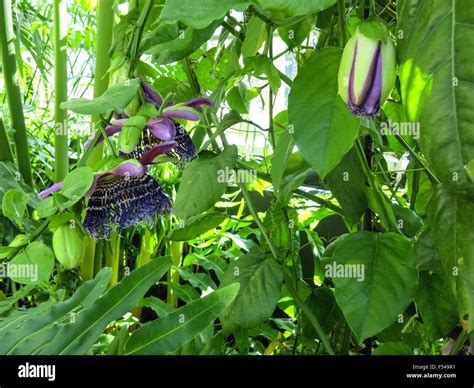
[61, 146]
[5, 150]
[12, 88]
[173, 275]
[104, 34]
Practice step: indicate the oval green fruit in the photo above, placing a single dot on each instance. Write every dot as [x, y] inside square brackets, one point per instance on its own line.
[69, 245]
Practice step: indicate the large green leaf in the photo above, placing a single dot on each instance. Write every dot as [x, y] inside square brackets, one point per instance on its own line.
[25, 333]
[373, 301]
[434, 299]
[169, 333]
[260, 283]
[204, 182]
[294, 8]
[452, 220]
[436, 77]
[77, 337]
[197, 225]
[179, 44]
[324, 129]
[198, 14]
[116, 98]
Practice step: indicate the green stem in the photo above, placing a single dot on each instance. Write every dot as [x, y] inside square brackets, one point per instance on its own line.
[462, 337]
[135, 50]
[61, 145]
[5, 150]
[173, 275]
[412, 152]
[342, 21]
[13, 93]
[105, 26]
[387, 219]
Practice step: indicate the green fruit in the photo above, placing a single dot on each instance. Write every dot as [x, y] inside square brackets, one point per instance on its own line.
[69, 244]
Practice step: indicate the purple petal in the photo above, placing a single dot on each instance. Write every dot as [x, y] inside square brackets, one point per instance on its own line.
[169, 103]
[162, 128]
[160, 149]
[372, 102]
[49, 190]
[181, 114]
[197, 102]
[150, 95]
[129, 169]
[109, 131]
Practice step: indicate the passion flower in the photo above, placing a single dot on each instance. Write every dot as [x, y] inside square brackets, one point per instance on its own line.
[367, 69]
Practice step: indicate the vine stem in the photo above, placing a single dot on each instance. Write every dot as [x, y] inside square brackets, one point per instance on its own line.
[5, 150]
[386, 219]
[61, 145]
[462, 337]
[12, 88]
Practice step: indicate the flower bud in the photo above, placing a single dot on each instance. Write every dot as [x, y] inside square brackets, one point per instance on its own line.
[69, 244]
[367, 70]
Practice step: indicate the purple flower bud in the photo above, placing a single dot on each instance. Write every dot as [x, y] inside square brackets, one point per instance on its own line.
[367, 72]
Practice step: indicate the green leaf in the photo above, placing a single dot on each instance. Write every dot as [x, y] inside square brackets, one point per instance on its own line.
[393, 349]
[46, 208]
[294, 8]
[198, 14]
[32, 266]
[260, 283]
[14, 205]
[254, 36]
[78, 337]
[261, 64]
[169, 333]
[25, 335]
[294, 34]
[452, 219]
[434, 300]
[436, 84]
[131, 132]
[75, 185]
[407, 220]
[323, 304]
[324, 129]
[346, 182]
[236, 98]
[198, 225]
[203, 182]
[293, 177]
[281, 156]
[116, 98]
[183, 44]
[7, 304]
[375, 279]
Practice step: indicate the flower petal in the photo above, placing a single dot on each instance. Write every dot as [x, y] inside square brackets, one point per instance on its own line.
[162, 128]
[181, 114]
[196, 103]
[110, 130]
[159, 149]
[49, 190]
[129, 169]
[151, 95]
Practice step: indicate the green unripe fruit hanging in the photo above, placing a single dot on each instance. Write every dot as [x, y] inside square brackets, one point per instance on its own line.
[69, 245]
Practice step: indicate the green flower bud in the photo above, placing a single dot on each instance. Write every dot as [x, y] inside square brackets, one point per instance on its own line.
[69, 245]
[367, 70]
